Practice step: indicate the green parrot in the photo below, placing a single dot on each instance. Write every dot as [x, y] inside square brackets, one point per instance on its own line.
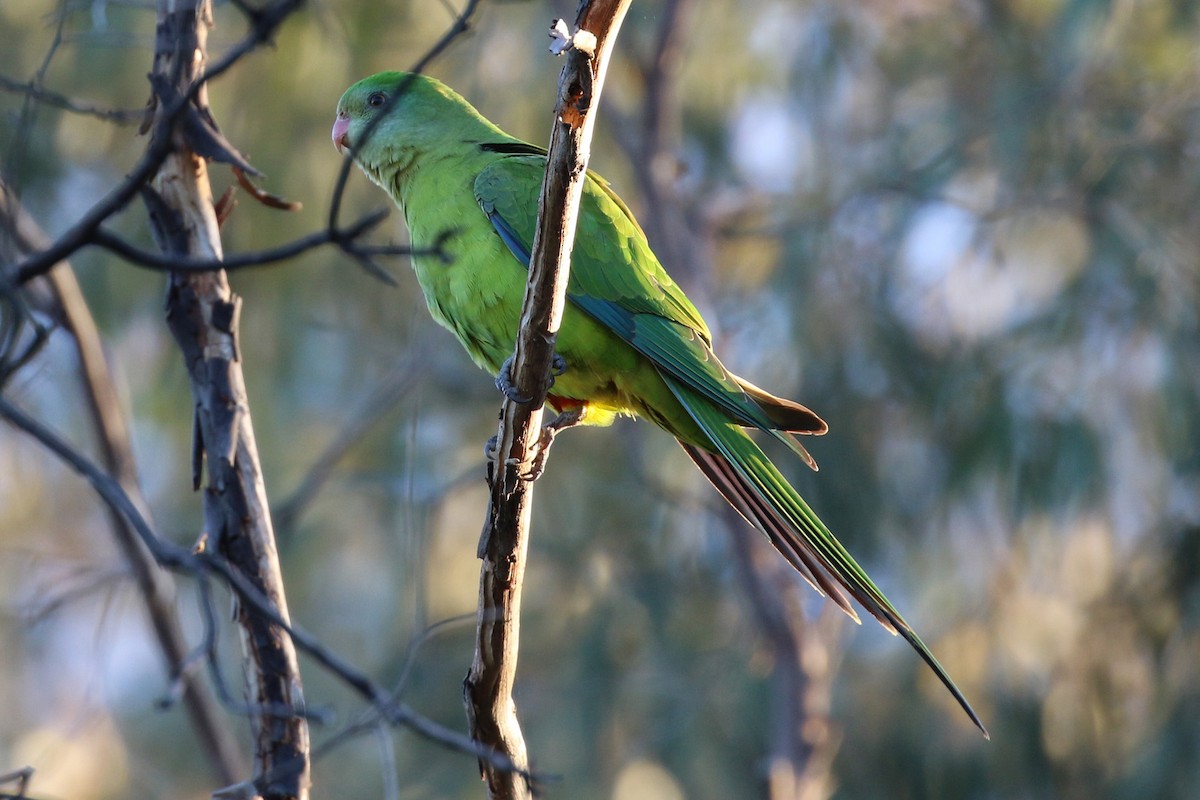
[631, 343]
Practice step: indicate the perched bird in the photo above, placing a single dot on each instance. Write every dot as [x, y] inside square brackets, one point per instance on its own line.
[630, 343]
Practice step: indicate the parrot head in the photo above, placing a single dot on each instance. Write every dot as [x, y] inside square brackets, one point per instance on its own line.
[361, 105]
[388, 119]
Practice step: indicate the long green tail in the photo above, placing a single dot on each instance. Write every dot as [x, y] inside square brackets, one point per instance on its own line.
[753, 485]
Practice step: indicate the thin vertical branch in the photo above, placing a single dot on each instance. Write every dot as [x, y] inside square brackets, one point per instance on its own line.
[657, 162]
[803, 738]
[202, 314]
[488, 687]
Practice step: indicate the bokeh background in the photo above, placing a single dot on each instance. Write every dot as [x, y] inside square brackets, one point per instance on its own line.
[965, 231]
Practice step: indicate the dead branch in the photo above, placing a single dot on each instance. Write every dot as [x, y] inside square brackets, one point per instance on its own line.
[345, 239]
[176, 112]
[171, 176]
[488, 686]
[202, 314]
[119, 116]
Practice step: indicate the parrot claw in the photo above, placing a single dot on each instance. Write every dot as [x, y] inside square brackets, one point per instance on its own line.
[538, 454]
[505, 385]
[558, 366]
[541, 448]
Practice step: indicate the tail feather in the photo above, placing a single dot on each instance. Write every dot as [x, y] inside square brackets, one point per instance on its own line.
[788, 438]
[787, 414]
[747, 479]
[754, 510]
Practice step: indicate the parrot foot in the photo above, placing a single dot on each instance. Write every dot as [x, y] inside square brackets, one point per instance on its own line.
[558, 365]
[541, 448]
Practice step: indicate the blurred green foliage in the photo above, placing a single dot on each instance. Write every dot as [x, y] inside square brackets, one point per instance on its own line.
[964, 232]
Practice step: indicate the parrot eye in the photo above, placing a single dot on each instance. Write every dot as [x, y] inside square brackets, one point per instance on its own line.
[376, 99]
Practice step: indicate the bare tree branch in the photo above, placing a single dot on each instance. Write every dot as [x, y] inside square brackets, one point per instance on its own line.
[202, 314]
[21, 335]
[488, 686]
[68, 306]
[178, 108]
[120, 116]
[344, 238]
[16, 151]
[20, 777]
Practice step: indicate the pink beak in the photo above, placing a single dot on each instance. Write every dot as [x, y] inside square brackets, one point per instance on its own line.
[341, 133]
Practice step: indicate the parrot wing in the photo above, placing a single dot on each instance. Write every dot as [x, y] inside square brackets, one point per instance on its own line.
[616, 279]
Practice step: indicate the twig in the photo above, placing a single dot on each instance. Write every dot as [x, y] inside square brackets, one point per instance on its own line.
[488, 686]
[369, 718]
[20, 777]
[343, 238]
[17, 346]
[25, 116]
[382, 400]
[179, 109]
[120, 116]
[166, 553]
[252, 601]
[387, 765]
[262, 195]
[184, 230]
